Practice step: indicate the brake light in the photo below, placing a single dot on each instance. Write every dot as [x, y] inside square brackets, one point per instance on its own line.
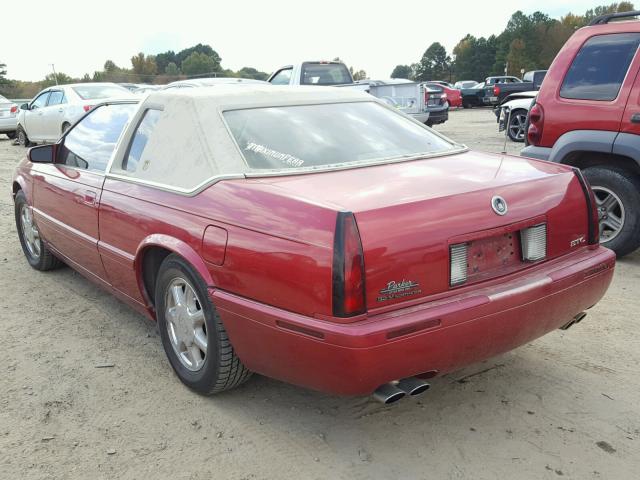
[348, 268]
[536, 122]
[14, 109]
[426, 96]
[86, 108]
[593, 233]
[496, 91]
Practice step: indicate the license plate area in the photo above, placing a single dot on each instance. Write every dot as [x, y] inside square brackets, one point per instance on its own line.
[493, 256]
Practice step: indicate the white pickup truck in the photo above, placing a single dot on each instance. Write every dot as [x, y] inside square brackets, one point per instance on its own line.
[424, 103]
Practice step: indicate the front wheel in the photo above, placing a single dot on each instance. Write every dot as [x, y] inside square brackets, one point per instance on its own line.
[517, 124]
[192, 332]
[618, 201]
[37, 253]
[22, 137]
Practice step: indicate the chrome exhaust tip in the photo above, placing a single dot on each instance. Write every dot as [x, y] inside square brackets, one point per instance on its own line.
[388, 393]
[413, 386]
[577, 319]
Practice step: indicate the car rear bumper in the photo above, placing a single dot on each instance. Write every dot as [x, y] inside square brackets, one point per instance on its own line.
[421, 117]
[355, 358]
[438, 116]
[8, 124]
[531, 151]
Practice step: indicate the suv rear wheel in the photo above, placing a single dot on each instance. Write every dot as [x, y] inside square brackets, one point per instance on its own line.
[618, 200]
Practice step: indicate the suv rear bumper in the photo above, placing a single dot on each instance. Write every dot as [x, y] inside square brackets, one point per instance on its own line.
[540, 153]
[442, 336]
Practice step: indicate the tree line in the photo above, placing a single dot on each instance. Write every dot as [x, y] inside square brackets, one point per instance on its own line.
[197, 61]
[529, 42]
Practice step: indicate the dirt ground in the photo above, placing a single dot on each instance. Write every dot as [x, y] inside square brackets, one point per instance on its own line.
[564, 406]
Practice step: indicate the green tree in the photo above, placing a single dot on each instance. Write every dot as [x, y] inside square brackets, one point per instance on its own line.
[164, 59]
[250, 72]
[3, 73]
[145, 66]
[110, 67]
[402, 71]
[199, 48]
[434, 64]
[199, 63]
[172, 69]
[62, 78]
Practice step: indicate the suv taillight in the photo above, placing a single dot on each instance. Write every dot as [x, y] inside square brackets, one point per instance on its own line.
[348, 268]
[536, 122]
[496, 91]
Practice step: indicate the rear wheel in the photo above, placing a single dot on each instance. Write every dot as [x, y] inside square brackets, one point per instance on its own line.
[618, 201]
[517, 125]
[11, 135]
[22, 137]
[192, 333]
[37, 253]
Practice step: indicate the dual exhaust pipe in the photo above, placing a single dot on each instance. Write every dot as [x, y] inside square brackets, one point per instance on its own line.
[392, 392]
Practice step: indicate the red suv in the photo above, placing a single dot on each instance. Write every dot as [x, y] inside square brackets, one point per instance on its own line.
[587, 115]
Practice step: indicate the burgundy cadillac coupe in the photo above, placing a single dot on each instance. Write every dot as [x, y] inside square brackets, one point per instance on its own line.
[316, 236]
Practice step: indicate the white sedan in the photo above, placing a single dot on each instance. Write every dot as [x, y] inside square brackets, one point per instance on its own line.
[8, 117]
[56, 108]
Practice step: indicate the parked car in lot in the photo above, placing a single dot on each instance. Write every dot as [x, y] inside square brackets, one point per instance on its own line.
[210, 82]
[454, 97]
[473, 96]
[313, 235]
[55, 109]
[312, 73]
[495, 93]
[587, 115]
[8, 117]
[512, 114]
[465, 84]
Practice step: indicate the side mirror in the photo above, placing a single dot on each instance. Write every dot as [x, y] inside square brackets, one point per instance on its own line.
[24, 106]
[42, 154]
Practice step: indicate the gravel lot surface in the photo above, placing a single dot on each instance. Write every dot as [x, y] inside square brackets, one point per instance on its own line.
[564, 406]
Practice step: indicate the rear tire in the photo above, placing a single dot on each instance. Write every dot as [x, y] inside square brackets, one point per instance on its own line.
[11, 135]
[618, 196]
[37, 253]
[188, 321]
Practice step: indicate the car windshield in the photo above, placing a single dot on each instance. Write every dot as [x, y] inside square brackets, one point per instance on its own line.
[325, 74]
[317, 136]
[96, 92]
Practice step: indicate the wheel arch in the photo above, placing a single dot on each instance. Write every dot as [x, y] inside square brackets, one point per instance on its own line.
[150, 255]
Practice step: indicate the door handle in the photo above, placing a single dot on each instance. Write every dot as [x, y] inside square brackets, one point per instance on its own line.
[89, 197]
[635, 118]
[60, 110]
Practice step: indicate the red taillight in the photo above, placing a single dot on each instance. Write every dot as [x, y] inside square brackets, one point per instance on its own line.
[496, 91]
[426, 97]
[348, 268]
[87, 107]
[536, 122]
[14, 109]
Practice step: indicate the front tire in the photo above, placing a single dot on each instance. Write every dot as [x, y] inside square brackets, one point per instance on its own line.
[37, 253]
[517, 126]
[617, 195]
[192, 333]
[22, 137]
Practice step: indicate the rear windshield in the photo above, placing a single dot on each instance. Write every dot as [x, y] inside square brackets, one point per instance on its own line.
[95, 92]
[325, 74]
[316, 136]
[599, 69]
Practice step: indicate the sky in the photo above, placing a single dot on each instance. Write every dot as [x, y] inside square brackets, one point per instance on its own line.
[79, 36]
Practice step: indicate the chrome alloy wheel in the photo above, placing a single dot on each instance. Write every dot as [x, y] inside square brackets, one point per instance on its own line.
[517, 125]
[30, 232]
[611, 214]
[185, 324]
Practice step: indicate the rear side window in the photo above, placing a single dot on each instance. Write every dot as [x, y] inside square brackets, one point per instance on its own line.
[325, 74]
[97, 92]
[165, 151]
[282, 77]
[599, 69]
[91, 142]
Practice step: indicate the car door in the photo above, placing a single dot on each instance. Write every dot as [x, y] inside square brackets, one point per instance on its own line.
[34, 117]
[67, 192]
[52, 116]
